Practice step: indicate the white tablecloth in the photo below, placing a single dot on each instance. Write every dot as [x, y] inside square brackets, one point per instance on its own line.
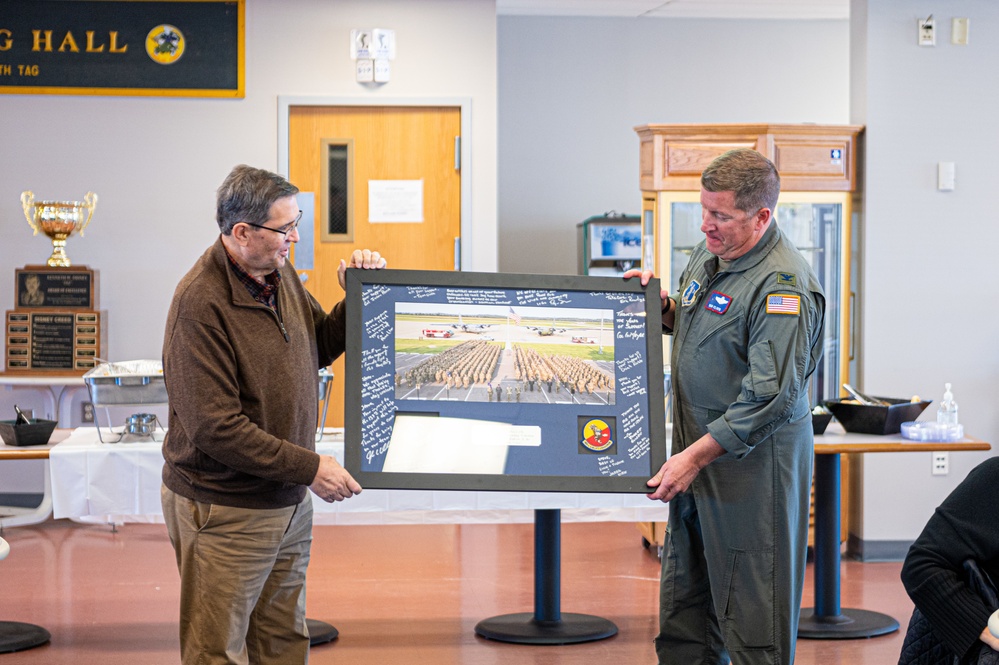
[120, 482]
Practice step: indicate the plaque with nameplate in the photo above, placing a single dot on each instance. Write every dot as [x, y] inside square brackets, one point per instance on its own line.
[66, 342]
[56, 288]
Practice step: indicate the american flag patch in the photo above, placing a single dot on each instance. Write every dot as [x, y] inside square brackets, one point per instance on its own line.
[779, 304]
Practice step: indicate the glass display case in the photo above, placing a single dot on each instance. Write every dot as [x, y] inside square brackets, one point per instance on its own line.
[817, 164]
[814, 222]
[818, 202]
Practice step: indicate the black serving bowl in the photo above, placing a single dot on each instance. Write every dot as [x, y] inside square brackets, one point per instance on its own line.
[820, 421]
[875, 419]
[35, 434]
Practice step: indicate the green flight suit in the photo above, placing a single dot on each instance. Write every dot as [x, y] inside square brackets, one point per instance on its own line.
[745, 342]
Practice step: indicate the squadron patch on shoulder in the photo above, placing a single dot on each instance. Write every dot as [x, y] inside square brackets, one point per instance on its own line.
[787, 279]
[778, 303]
[718, 302]
[690, 293]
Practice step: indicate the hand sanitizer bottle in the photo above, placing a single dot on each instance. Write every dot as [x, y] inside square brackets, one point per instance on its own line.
[947, 412]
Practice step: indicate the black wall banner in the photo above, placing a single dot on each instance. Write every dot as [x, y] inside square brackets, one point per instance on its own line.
[183, 48]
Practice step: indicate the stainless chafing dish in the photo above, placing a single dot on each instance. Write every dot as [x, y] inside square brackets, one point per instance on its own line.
[137, 382]
[127, 382]
[130, 382]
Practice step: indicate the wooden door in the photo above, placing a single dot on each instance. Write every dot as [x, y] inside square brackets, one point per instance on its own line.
[410, 143]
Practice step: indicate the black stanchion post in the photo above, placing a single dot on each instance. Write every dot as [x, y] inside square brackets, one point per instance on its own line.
[826, 620]
[547, 625]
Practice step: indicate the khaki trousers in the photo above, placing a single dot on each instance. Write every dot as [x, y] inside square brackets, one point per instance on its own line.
[242, 576]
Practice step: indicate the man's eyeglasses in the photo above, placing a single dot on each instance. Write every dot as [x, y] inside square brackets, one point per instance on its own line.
[284, 230]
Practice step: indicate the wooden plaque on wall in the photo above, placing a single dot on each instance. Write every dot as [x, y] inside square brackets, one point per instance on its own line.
[54, 341]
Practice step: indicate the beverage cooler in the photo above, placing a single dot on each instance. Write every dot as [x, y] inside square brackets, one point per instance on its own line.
[817, 165]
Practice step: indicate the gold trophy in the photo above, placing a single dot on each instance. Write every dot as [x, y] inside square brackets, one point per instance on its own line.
[58, 220]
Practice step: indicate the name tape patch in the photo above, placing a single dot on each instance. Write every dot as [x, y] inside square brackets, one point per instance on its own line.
[718, 302]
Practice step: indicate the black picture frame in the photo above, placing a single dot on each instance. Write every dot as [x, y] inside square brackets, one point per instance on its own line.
[510, 382]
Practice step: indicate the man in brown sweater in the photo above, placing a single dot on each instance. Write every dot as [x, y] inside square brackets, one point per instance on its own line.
[243, 345]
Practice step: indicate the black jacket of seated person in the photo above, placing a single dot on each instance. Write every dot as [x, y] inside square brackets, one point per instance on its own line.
[965, 526]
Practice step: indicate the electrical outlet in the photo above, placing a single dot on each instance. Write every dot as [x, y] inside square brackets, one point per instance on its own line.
[926, 28]
[959, 31]
[86, 412]
[941, 464]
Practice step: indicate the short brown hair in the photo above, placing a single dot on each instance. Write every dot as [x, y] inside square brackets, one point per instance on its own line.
[751, 176]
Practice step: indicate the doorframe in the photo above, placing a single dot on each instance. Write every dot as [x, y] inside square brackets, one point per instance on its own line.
[285, 102]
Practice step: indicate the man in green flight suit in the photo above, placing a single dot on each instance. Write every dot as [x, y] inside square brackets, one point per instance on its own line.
[747, 334]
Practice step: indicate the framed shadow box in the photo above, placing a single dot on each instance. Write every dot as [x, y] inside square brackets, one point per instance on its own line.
[485, 381]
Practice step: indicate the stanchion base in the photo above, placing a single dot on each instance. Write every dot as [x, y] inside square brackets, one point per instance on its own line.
[16, 636]
[320, 632]
[523, 628]
[849, 624]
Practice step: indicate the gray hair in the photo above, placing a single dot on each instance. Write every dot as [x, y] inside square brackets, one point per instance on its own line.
[247, 194]
[751, 176]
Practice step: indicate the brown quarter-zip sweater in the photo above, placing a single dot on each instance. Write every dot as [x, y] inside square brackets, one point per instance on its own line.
[243, 387]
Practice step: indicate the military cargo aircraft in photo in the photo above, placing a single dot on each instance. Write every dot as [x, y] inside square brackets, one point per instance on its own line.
[547, 331]
[476, 328]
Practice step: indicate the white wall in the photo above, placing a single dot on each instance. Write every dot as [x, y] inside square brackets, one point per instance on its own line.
[929, 260]
[155, 162]
[571, 91]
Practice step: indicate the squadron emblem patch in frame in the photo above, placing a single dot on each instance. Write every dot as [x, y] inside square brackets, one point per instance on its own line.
[596, 435]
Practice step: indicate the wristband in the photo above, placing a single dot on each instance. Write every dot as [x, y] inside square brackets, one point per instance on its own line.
[669, 305]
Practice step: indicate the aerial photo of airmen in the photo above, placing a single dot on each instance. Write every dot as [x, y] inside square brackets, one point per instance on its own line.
[443, 356]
